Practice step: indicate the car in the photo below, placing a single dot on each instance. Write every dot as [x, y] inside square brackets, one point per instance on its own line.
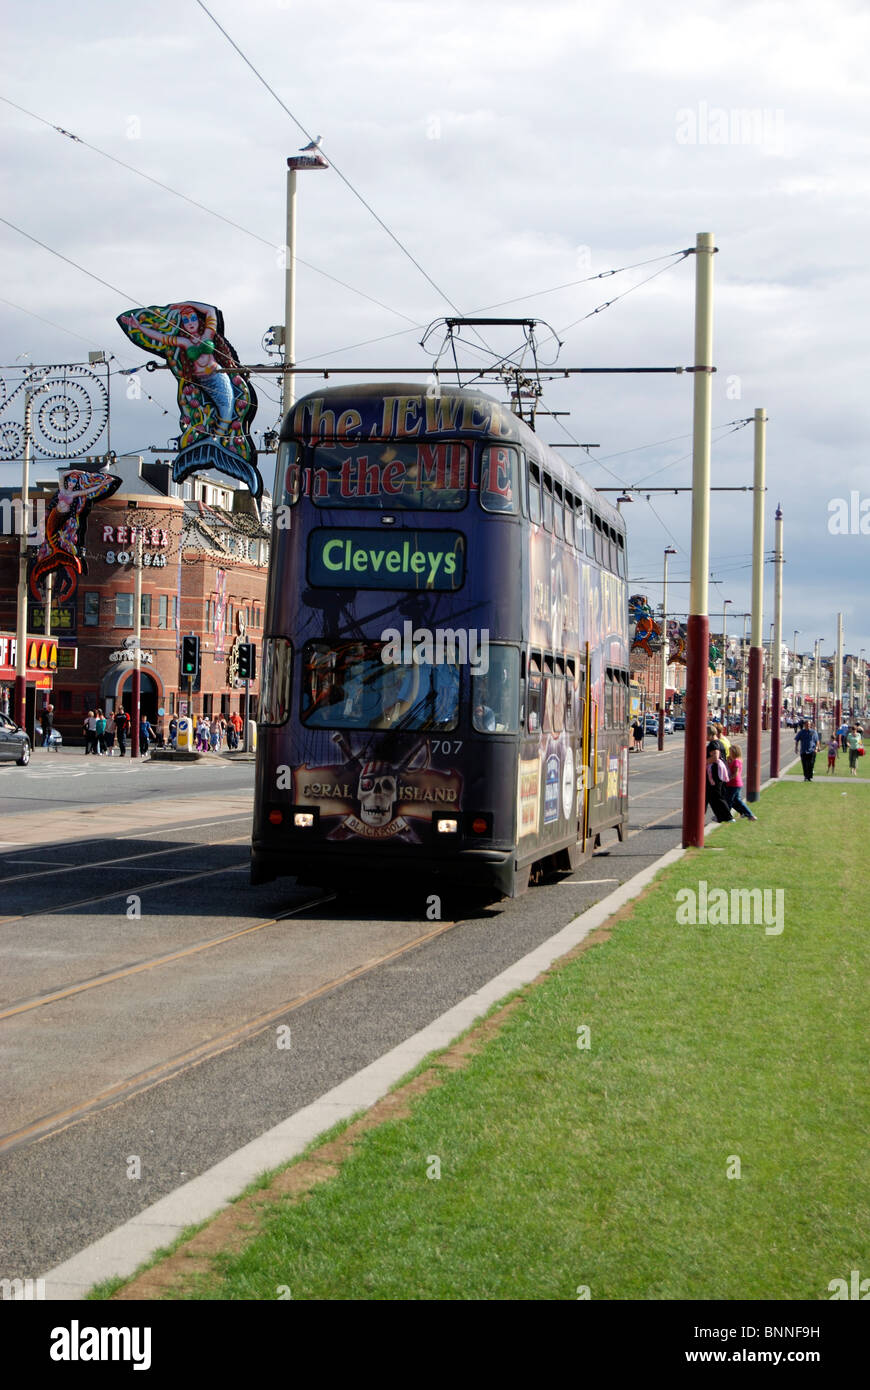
[679, 721]
[652, 724]
[14, 742]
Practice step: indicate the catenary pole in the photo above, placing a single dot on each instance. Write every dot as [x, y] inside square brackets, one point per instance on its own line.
[776, 653]
[669, 551]
[753, 756]
[838, 675]
[698, 624]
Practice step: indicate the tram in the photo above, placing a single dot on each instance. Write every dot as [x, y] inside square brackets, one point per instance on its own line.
[445, 683]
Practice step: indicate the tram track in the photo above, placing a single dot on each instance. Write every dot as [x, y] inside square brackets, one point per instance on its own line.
[188, 876]
[127, 858]
[117, 1094]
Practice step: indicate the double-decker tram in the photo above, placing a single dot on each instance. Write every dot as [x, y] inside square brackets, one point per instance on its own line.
[445, 672]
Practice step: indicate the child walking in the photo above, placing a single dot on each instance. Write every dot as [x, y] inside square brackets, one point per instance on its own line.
[833, 750]
[735, 784]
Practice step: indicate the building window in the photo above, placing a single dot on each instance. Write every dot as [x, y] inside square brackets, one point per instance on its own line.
[146, 610]
[123, 610]
[175, 610]
[162, 610]
[187, 494]
[92, 610]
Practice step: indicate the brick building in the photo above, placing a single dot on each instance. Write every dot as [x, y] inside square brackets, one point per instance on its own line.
[204, 563]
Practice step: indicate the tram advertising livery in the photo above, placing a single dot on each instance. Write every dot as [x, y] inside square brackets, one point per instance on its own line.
[445, 671]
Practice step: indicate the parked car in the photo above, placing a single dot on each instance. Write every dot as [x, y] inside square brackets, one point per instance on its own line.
[14, 742]
[651, 725]
[679, 721]
[55, 740]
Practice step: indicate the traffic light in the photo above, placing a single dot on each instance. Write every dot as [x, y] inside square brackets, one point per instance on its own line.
[247, 661]
[189, 655]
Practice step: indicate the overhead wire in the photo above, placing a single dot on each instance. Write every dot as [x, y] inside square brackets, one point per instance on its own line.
[212, 212]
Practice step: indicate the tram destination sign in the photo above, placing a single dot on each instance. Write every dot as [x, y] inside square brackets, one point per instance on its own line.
[364, 559]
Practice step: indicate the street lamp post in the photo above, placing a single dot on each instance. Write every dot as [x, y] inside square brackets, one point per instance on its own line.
[794, 675]
[753, 756]
[861, 681]
[32, 388]
[669, 551]
[310, 159]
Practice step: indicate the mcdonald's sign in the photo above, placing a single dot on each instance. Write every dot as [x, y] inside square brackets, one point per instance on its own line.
[42, 656]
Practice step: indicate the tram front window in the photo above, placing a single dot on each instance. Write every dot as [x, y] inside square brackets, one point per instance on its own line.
[495, 697]
[349, 686]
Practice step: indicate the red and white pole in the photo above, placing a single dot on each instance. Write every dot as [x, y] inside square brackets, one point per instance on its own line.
[753, 755]
[698, 626]
[776, 649]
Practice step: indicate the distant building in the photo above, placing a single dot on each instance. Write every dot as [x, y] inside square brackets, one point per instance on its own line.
[205, 553]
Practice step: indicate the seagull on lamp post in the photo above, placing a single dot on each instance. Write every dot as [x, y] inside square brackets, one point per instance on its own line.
[313, 145]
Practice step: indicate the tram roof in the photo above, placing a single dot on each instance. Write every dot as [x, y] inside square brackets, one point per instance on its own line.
[502, 424]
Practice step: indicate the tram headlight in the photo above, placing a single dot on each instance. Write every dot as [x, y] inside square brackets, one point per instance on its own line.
[303, 820]
[447, 825]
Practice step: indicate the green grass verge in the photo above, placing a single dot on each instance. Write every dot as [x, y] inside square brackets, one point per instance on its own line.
[608, 1167]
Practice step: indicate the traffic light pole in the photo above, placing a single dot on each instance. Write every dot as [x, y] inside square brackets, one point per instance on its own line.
[245, 746]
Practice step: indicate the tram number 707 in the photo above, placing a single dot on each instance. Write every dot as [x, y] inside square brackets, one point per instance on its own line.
[446, 746]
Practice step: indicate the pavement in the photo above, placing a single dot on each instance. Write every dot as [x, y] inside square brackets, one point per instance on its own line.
[120, 1251]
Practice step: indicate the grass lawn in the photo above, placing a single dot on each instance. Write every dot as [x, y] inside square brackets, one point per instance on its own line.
[614, 1167]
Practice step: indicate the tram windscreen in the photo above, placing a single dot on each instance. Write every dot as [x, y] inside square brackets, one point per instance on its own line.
[404, 475]
[349, 686]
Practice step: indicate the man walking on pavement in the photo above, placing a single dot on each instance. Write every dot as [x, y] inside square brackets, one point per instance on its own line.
[806, 743]
[122, 723]
[145, 734]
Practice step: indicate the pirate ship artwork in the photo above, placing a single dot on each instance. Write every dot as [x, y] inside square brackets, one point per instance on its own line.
[62, 548]
[216, 403]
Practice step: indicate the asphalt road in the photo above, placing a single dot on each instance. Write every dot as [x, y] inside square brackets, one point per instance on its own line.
[145, 983]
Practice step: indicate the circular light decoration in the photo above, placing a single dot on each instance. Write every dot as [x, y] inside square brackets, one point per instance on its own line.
[70, 414]
[67, 416]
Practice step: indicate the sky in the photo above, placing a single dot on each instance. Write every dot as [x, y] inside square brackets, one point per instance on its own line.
[482, 153]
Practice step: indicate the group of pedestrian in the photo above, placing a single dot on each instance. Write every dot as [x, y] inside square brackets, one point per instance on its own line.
[724, 777]
[213, 734]
[848, 739]
[99, 738]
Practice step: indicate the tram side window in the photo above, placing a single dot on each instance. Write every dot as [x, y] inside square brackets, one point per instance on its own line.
[290, 470]
[536, 692]
[548, 502]
[498, 479]
[589, 529]
[275, 681]
[570, 692]
[549, 708]
[495, 697]
[569, 518]
[614, 551]
[558, 696]
[620, 555]
[599, 541]
[558, 510]
[534, 494]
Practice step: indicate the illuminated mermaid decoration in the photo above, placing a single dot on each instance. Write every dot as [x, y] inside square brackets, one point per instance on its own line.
[216, 404]
[65, 530]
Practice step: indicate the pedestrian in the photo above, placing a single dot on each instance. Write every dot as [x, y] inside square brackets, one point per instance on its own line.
[833, 750]
[637, 730]
[856, 749]
[724, 741]
[735, 784]
[146, 734]
[843, 735]
[717, 778]
[100, 731]
[173, 733]
[806, 743]
[46, 720]
[90, 730]
[109, 735]
[122, 724]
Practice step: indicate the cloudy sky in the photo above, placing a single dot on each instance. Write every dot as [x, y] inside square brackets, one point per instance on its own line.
[512, 152]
